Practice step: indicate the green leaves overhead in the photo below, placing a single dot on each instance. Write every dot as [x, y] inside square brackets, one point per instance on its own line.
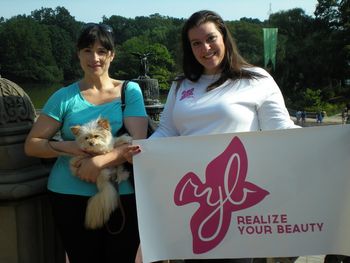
[313, 53]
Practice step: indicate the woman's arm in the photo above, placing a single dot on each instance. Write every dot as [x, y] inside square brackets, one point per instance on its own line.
[137, 127]
[38, 142]
[166, 126]
[272, 111]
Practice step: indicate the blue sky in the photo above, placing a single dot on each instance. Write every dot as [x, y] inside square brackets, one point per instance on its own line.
[92, 11]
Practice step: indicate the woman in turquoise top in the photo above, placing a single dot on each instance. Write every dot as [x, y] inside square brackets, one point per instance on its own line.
[95, 95]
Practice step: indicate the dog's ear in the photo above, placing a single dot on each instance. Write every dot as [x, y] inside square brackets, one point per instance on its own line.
[104, 123]
[75, 130]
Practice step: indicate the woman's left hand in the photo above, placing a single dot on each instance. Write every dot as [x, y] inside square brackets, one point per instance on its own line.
[130, 151]
[138, 258]
[88, 169]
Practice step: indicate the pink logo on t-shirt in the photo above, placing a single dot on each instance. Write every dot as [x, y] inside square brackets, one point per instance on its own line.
[186, 94]
[224, 191]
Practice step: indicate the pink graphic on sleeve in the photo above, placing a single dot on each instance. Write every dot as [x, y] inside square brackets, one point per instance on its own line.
[224, 191]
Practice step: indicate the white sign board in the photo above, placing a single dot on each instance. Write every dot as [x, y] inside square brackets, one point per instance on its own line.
[259, 194]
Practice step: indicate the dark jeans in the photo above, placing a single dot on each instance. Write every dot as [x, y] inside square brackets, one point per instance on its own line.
[235, 260]
[336, 259]
[95, 246]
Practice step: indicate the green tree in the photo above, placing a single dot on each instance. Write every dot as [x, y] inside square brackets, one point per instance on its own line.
[63, 33]
[64, 52]
[327, 11]
[26, 48]
[160, 62]
[313, 54]
[249, 40]
[312, 100]
[162, 65]
[293, 50]
[332, 19]
[344, 9]
[153, 29]
[122, 27]
[60, 17]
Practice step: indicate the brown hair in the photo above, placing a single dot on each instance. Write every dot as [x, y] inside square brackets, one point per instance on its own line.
[233, 65]
[92, 32]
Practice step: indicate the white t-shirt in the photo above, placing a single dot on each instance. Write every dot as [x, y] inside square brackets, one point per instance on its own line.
[235, 106]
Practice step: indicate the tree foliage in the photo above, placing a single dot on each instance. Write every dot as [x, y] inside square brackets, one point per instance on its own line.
[28, 49]
[313, 53]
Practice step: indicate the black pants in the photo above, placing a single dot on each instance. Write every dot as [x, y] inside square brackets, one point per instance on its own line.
[336, 259]
[96, 246]
[236, 260]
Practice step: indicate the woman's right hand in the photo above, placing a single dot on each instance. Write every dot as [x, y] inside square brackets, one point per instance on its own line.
[88, 168]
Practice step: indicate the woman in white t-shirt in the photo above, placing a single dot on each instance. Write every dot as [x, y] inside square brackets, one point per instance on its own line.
[220, 92]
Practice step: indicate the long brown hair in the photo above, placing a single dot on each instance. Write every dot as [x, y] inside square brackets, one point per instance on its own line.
[233, 65]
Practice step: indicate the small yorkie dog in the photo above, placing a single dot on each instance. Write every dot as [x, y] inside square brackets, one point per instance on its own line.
[95, 137]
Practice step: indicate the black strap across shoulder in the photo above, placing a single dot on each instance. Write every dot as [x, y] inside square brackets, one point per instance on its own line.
[122, 93]
[151, 124]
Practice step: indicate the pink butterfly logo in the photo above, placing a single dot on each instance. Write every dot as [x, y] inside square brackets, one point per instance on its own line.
[224, 191]
[187, 93]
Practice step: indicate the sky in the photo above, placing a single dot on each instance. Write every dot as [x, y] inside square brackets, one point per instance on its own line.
[93, 11]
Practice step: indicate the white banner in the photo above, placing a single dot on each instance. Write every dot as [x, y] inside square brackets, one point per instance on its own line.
[259, 194]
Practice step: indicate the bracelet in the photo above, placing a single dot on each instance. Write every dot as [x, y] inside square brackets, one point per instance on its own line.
[51, 148]
[58, 152]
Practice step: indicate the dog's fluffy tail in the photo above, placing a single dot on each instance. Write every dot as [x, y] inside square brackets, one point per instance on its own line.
[101, 205]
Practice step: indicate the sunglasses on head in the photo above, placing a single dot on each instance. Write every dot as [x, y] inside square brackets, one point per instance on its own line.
[104, 27]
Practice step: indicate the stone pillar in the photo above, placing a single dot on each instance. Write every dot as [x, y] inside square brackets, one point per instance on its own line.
[27, 234]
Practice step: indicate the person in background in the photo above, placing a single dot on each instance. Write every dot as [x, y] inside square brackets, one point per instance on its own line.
[220, 91]
[95, 95]
[344, 115]
[298, 116]
[303, 117]
[319, 116]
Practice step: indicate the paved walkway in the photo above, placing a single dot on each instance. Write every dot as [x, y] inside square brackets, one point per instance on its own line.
[310, 259]
[328, 120]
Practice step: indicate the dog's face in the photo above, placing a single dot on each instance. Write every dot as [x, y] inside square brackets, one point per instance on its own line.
[94, 137]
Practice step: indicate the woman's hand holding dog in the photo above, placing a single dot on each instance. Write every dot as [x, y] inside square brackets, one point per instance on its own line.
[88, 168]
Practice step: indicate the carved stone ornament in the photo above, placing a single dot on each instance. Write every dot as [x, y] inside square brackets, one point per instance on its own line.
[16, 107]
[20, 175]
